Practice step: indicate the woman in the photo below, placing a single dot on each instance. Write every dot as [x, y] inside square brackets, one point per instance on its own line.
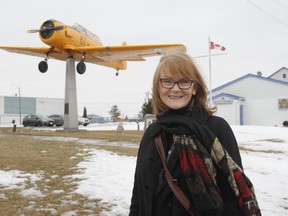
[191, 138]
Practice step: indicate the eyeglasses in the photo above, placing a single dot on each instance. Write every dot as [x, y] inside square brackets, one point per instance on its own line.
[182, 84]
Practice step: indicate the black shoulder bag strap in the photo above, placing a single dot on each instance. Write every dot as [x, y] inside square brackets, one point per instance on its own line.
[174, 187]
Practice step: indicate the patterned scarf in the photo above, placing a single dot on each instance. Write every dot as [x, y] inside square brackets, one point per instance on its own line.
[198, 150]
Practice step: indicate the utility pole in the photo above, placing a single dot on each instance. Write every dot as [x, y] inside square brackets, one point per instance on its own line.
[19, 91]
[147, 94]
[19, 102]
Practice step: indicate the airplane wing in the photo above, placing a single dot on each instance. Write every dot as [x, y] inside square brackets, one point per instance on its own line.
[38, 51]
[126, 52]
[98, 54]
[27, 50]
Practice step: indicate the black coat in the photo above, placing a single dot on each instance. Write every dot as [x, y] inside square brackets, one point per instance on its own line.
[150, 200]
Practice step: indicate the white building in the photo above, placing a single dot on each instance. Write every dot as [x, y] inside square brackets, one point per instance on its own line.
[96, 118]
[253, 99]
[13, 107]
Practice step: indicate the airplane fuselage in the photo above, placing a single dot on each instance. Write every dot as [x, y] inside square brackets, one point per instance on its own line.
[69, 37]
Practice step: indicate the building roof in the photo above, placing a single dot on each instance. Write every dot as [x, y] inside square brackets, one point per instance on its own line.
[94, 116]
[234, 97]
[281, 69]
[249, 76]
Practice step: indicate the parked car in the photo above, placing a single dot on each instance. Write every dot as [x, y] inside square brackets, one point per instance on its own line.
[37, 120]
[83, 121]
[58, 119]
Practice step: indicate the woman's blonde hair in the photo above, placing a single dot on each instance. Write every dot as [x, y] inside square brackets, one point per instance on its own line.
[178, 66]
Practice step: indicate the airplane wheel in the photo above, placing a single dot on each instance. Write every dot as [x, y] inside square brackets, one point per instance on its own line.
[81, 67]
[43, 66]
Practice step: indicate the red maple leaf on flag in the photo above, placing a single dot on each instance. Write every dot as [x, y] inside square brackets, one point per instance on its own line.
[216, 46]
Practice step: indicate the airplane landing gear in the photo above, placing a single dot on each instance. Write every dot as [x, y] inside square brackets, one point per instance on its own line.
[81, 67]
[43, 66]
[117, 73]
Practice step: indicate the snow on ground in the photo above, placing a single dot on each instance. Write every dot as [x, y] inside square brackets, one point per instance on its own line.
[267, 171]
[15, 179]
[109, 177]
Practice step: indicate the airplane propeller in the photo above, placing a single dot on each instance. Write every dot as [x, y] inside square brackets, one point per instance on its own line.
[56, 28]
[47, 29]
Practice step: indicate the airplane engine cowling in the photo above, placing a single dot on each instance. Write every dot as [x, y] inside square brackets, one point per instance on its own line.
[50, 32]
[47, 29]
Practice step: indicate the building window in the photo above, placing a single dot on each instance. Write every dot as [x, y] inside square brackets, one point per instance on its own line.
[284, 76]
[283, 103]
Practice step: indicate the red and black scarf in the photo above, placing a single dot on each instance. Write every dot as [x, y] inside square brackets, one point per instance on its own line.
[199, 151]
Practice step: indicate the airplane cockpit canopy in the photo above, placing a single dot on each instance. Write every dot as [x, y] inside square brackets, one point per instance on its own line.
[86, 32]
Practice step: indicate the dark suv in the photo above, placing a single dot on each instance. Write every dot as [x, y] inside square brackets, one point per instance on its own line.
[37, 120]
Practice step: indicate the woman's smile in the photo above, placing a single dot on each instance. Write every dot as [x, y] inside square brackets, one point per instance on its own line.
[175, 98]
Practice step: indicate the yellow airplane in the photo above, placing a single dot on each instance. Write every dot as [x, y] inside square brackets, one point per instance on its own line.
[77, 42]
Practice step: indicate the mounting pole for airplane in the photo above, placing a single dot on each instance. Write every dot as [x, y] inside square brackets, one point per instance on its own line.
[70, 106]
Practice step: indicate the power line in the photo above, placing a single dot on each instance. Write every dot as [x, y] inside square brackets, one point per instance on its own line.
[268, 14]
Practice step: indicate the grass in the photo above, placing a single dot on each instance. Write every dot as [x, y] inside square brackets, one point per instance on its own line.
[54, 160]
[127, 135]
[262, 151]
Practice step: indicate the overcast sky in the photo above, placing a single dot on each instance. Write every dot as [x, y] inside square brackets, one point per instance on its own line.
[254, 33]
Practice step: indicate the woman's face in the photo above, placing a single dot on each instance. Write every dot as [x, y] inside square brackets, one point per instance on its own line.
[173, 96]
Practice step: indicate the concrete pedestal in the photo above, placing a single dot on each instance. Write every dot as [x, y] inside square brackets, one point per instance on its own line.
[70, 106]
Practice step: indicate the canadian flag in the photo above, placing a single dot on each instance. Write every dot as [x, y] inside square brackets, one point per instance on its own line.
[216, 46]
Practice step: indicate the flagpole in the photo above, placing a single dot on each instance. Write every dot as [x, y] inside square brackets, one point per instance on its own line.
[210, 79]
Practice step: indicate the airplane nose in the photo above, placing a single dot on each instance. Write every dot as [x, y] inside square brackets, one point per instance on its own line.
[46, 29]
